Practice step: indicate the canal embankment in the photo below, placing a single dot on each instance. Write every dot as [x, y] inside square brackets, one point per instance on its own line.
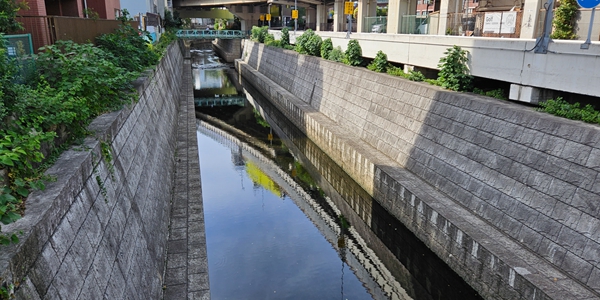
[503, 194]
[100, 230]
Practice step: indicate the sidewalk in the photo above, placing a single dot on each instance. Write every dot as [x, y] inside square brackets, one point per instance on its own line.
[187, 264]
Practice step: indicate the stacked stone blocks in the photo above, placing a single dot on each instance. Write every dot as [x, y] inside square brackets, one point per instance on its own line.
[100, 230]
[528, 175]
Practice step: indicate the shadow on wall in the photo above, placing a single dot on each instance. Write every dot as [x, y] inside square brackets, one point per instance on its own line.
[449, 164]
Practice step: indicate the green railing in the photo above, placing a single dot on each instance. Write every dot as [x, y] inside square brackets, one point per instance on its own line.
[19, 45]
[211, 34]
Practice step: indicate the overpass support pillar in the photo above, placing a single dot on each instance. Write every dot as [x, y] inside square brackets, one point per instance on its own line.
[243, 25]
[531, 14]
[320, 18]
[449, 7]
[339, 19]
[366, 8]
[397, 9]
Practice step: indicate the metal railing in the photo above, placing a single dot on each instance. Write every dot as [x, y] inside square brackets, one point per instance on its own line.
[487, 24]
[211, 34]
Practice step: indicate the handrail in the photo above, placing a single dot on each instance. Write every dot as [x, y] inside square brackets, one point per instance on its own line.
[210, 34]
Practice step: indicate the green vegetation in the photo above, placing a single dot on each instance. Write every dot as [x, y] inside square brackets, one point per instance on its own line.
[326, 48]
[8, 13]
[353, 54]
[258, 34]
[560, 107]
[454, 72]
[380, 63]
[45, 108]
[412, 75]
[336, 55]
[285, 37]
[564, 20]
[309, 43]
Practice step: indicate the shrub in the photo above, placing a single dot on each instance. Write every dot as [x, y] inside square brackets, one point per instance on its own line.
[353, 54]
[415, 76]
[285, 37]
[309, 43]
[379, 63]
[336, 54]
[129, 48]
[258, 34]
[454, 73]
[560, 107]
[326, 48]
[564, 20]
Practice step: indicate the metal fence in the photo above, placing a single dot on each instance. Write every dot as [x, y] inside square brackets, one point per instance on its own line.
[46, 30]
[18, 45]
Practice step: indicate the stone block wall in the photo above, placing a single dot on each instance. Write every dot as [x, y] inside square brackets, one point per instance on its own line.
[228, 49]
[504, 194]
[100, 230]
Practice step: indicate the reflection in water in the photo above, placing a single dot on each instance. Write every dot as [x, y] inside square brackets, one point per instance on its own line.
[331, 241]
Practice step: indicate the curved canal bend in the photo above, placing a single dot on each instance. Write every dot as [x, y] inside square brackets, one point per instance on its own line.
[283, 221]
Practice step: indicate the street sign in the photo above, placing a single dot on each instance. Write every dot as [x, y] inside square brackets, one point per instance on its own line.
[294, 14]
[588, 3]
[268, 17]
[261, 17]
[348, 8]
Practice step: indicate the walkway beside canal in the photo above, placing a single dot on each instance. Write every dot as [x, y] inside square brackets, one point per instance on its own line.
[187, 264]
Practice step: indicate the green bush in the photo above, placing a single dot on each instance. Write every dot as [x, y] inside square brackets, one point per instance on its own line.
[353, 54]
[379, 63]
[130, 50]
[258, 34]
[271, 41]
[560, 107]
[336, 55]
[454, 72]
[309, 43]
[564, 20]
[285, 37]
[326, 48]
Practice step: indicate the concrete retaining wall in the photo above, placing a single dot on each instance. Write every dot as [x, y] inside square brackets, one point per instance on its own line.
[100, 230]
[505, 195]
[228, 49]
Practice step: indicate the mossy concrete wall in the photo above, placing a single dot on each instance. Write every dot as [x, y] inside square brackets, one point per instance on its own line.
[100, 231]
[505, 195]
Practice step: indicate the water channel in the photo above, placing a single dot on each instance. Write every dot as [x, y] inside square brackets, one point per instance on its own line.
[283, 221]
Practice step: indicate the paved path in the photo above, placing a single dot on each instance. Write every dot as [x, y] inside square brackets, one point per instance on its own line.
[187, 263]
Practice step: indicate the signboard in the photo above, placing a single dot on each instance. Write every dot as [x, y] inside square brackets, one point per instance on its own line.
[261, 17]
[294, 14]
[500, 22]
[348, 8]
[268, 17]
[152, 19]
[588, 3]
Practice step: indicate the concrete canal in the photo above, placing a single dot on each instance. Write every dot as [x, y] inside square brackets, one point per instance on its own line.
[283, 221]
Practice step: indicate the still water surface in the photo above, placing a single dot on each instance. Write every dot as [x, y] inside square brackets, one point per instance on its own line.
[276, 228]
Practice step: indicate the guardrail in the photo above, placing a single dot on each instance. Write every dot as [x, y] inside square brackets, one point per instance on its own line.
[211, 34]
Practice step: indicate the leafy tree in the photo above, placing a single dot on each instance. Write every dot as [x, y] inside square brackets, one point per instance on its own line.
[8, 14]
[454, 72]
[258, 34]
[353, 54]
[326, 48]
[172, 20]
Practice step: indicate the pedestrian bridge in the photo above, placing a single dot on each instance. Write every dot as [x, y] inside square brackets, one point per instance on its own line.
[210, 34]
